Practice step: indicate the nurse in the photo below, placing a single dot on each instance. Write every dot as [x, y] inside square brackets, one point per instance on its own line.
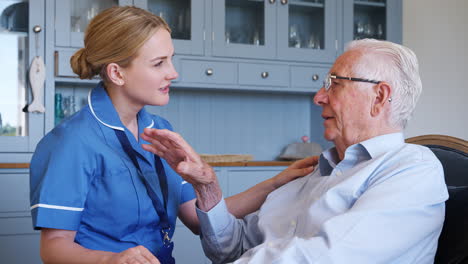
[96, 195]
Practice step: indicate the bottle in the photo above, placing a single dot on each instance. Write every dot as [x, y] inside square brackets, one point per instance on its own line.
[58, 108]
[72, 105]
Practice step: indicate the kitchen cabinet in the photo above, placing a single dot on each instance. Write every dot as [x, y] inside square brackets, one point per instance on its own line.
[19, 131]
[72, 17]
[286, 47]
[379, 19]
[186, 20]
[294, 30]
[19, 243]
[185, 17]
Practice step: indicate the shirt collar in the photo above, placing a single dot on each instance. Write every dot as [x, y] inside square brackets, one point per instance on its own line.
[366, 149]
[104, 111]
[378, 145]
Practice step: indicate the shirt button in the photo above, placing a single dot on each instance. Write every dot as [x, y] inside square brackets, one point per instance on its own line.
[271, 244]
[293, 223]
[338, 173]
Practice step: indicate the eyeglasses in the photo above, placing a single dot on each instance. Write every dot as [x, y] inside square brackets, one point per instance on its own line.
[328, 80]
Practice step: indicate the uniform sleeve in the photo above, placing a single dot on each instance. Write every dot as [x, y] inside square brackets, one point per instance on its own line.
[60, 173]
[187, 192]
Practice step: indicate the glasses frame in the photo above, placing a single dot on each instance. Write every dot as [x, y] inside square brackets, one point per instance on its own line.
[327, 81]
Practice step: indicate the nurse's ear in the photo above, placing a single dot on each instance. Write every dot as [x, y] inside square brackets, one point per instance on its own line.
[115, 74]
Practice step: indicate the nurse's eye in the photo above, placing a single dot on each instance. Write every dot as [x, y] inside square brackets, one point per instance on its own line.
[158, 64]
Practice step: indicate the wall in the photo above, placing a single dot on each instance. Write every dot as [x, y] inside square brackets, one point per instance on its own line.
[436, 31]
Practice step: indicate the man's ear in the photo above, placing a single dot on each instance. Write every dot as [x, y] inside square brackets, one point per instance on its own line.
[383, 96]
[115, 74]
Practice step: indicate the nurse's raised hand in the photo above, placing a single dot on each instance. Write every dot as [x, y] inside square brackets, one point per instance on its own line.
[179, 155]
[137, 255]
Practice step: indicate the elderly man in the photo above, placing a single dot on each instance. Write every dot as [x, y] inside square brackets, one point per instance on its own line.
[373, 198]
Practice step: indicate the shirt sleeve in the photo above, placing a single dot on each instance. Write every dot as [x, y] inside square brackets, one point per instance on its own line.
[60, 173]
[225, 238]
[388, 219]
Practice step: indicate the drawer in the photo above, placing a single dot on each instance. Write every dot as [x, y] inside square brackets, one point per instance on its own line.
[263, 74]
[208, 72]
[308, 77]
[62, 63]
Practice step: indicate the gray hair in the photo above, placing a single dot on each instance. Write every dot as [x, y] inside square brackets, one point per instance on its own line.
[396, 65]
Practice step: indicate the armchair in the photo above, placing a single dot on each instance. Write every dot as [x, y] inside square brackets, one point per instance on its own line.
[453, 154]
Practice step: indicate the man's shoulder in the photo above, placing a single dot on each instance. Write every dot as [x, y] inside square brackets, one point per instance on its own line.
[410, 153]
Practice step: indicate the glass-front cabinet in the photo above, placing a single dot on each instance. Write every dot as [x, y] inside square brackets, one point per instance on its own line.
[184, 17]
[73, 16]
[307, 30]
[20, 130]
[299, 30]
[378, 19]
[244, 28]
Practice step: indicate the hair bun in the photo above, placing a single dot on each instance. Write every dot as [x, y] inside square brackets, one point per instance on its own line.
[81, 66]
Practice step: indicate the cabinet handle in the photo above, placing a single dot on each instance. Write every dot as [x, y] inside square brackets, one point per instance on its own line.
[37, 29]
[284, 2]
[272, 1]
[315, 77]
[264, 75]
[209, 72]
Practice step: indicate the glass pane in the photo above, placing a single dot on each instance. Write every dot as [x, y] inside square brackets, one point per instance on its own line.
[13, 53]
[369, 19]
[245, 22]
[176, 13]
[82, 11]
[306, 24]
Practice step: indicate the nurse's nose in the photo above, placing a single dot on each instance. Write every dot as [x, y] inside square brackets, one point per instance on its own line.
[321, 97]
[172, 74]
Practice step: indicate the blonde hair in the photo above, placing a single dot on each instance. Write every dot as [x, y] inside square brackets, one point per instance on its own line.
[114, 36]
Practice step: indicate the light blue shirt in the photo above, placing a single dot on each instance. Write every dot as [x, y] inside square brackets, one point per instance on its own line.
[383, 203]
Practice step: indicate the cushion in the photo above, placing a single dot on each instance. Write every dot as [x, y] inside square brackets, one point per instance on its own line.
[453, 241]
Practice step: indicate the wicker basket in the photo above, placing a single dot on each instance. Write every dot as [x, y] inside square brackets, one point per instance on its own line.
[226, 158]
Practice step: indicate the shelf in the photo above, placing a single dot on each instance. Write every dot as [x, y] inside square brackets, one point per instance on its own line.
[75, 80]
[306, 4]
[370, 4]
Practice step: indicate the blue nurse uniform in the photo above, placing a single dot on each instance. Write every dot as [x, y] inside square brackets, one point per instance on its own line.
[81, 179]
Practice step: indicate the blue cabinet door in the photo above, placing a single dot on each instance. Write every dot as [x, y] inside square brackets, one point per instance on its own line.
[73, 16]
[307, 30]
[244, 28]
[19, 243]
[19, 131]
[186, 20]
[380, 19]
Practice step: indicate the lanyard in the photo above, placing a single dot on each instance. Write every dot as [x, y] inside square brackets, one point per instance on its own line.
[161, 207]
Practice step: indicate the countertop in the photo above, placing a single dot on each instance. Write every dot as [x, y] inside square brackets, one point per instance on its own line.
[214, 164]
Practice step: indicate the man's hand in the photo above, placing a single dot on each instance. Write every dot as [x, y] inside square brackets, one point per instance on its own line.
[179, 155]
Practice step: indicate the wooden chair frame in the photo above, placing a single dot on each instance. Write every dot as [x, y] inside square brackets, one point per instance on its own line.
[441, 140]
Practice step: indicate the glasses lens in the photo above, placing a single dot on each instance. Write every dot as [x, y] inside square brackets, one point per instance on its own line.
[326, 82]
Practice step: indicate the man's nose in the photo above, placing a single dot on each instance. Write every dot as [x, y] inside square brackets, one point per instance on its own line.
[321, 97]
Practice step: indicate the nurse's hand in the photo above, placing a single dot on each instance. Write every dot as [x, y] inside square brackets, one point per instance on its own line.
[179, 155]
[296, 170]
[135, 255]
